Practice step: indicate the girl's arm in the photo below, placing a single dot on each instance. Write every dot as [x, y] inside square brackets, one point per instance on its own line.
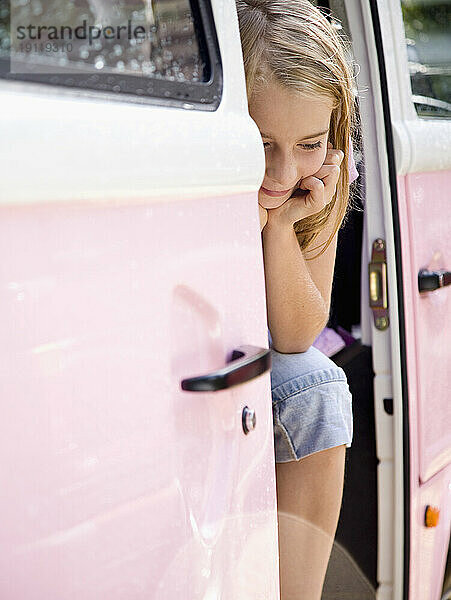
[263, 214]
[298, 292]
[322, 267]
[297, 310]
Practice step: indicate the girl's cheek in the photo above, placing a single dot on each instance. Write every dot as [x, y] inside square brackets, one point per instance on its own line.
[314, 163]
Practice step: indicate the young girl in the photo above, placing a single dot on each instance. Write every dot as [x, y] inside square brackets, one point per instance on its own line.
[300, 94]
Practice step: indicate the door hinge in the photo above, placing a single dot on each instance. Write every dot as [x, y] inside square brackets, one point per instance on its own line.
[377, 278]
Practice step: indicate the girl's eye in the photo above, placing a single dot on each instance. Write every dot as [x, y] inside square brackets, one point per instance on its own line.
[311, 146]
[314, 146]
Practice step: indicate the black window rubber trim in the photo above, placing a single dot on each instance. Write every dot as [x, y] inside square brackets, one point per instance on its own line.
[399, 281]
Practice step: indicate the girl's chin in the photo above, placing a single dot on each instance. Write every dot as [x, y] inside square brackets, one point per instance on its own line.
[268, 202]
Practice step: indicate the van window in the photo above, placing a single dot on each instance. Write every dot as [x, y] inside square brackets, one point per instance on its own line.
[427, 25]
[153, 48]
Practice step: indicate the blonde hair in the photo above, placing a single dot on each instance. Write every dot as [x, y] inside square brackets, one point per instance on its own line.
[292, 43]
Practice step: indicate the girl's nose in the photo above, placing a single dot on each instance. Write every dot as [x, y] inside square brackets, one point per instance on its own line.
[282, 172]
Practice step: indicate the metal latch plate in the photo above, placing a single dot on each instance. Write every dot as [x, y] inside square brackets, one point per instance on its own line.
[377, 280]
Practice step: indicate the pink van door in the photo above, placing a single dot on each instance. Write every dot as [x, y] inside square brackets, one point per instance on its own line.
[413, 45]
[136, 435]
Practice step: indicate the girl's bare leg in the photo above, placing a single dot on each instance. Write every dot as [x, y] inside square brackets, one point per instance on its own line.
[309, 495]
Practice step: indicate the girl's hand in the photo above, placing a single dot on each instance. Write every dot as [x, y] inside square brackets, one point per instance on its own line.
[313, 194]
[263, 213]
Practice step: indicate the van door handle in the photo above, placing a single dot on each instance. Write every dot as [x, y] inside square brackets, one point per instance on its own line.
[432, 280]
[245, 363]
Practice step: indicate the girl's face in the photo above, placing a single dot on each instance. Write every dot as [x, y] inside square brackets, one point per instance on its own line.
[295, 132]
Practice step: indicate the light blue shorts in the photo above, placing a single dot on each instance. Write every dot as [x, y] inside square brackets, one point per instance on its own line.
[311, 404]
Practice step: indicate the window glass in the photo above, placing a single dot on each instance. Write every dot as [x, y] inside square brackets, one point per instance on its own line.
[117, 45]
[427, 26]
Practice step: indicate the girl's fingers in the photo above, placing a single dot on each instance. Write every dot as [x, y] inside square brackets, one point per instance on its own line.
[312, 183]
[334, 157]
[327, 171]
[329, 175]
[321, 186]
[316, 189]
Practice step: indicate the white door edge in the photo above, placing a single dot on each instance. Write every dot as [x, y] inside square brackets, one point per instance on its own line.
[378, 222]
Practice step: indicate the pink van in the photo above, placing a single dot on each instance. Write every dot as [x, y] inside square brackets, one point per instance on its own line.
[136, 436]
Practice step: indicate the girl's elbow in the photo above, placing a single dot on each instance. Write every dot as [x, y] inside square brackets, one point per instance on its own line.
[299, 344]
[299, 341]
[292, 347]
[291, 350]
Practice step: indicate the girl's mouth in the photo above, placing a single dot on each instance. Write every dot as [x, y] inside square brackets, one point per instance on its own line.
[274, 194]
